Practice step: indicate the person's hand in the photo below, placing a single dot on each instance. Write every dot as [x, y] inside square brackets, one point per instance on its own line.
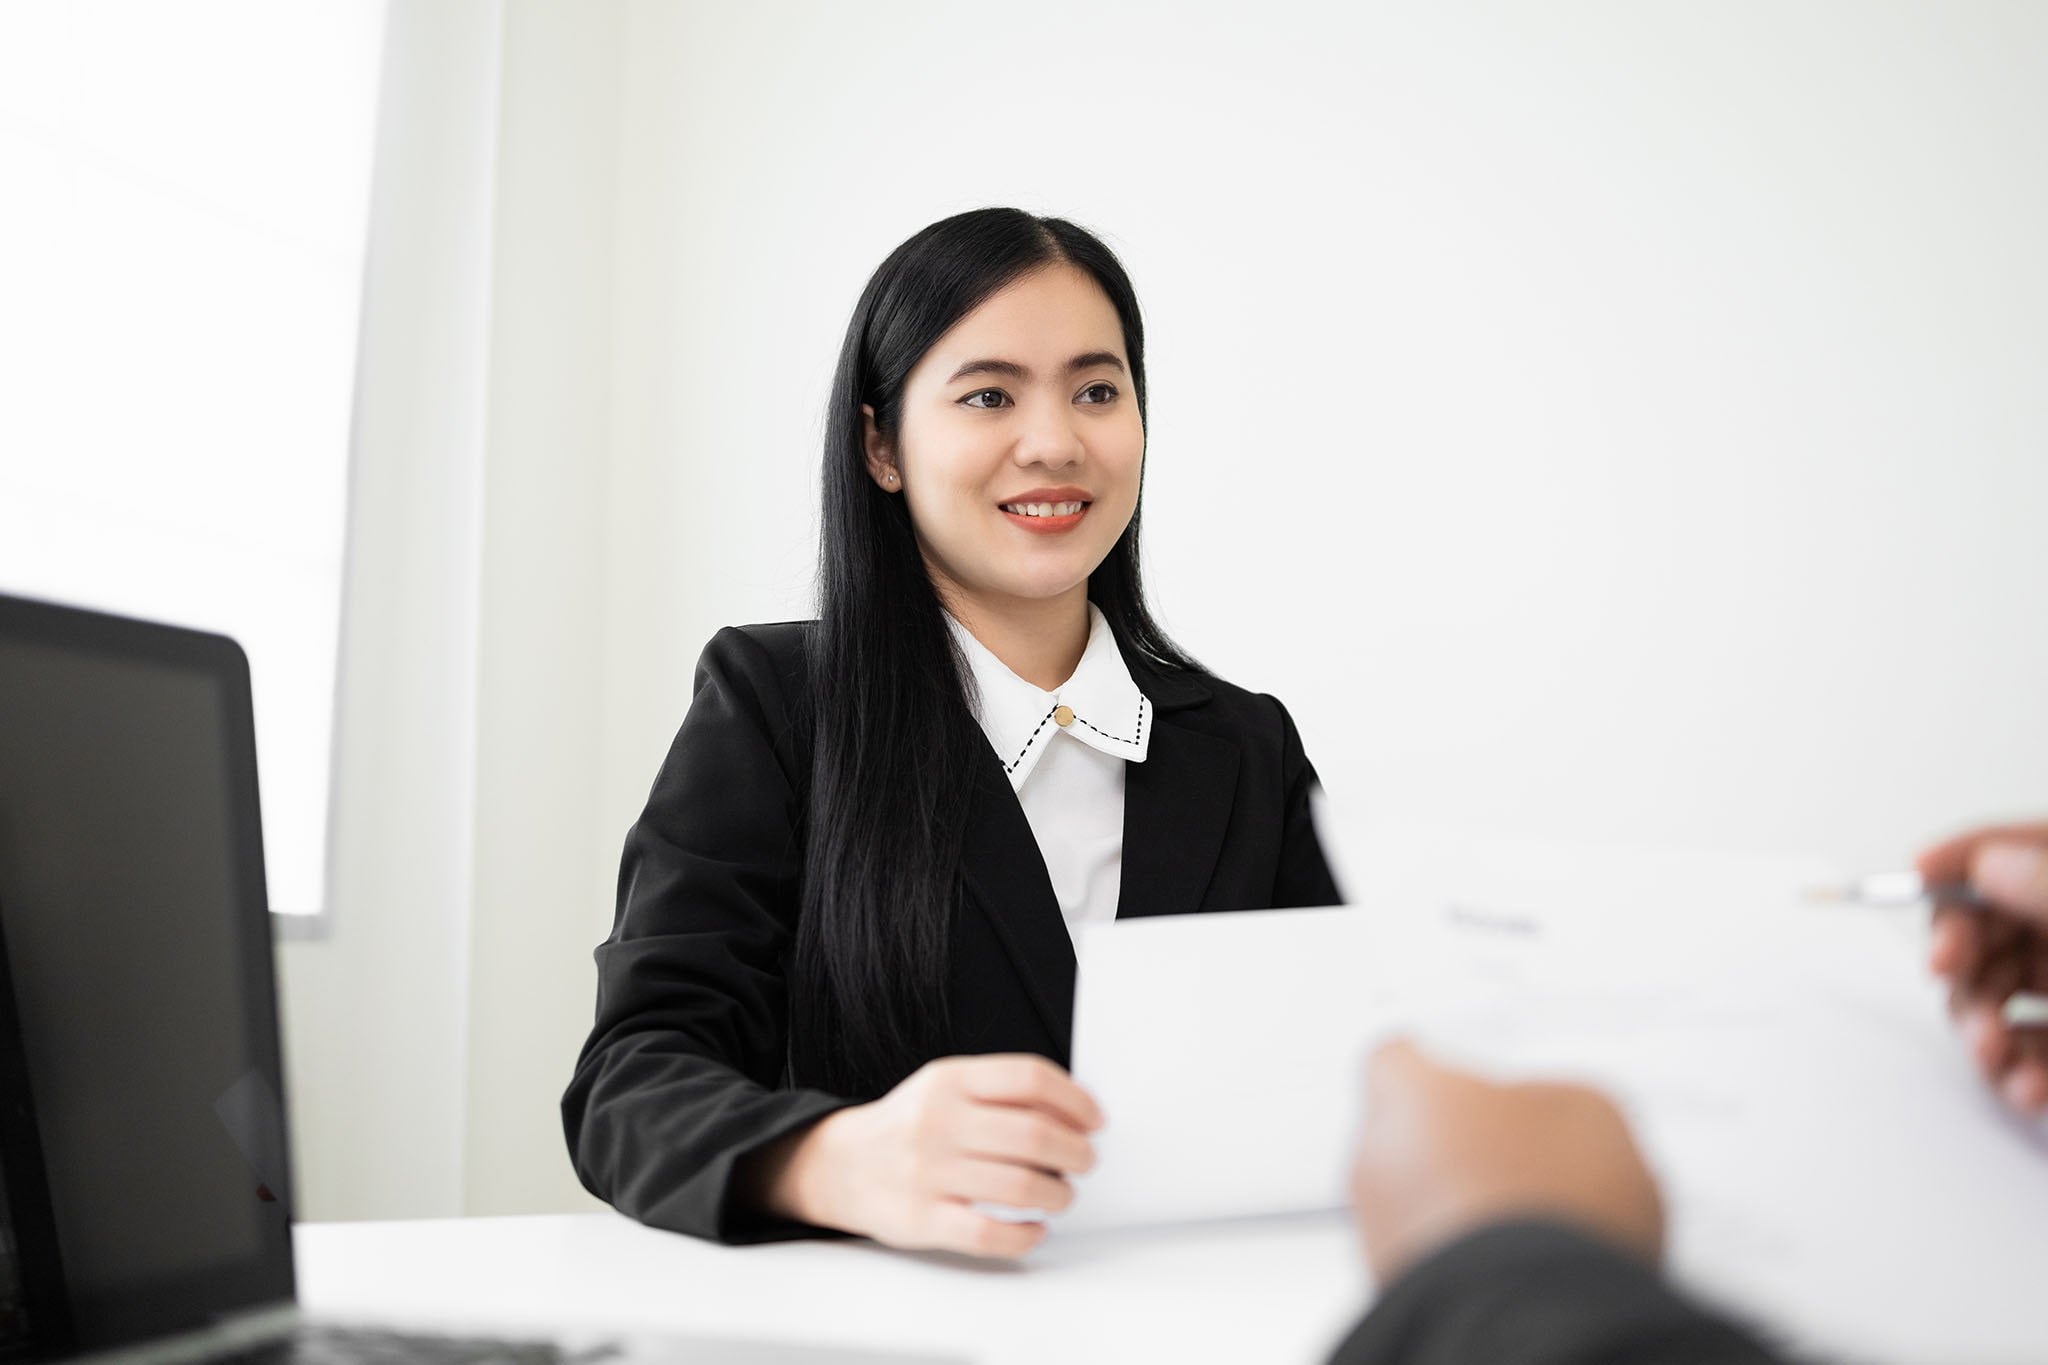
[1989, 955]
[1443, 1152]
[1001, 1129]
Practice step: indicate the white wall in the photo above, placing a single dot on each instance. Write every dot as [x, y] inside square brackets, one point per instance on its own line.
[545, 864]
[430, 1033]
[1613, 420]
[1606, 420]
[375, 1012]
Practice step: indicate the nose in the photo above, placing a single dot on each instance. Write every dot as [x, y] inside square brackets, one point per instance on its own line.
[1050, 436]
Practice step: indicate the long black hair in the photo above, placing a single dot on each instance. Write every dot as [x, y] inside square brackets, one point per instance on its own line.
[893, 768]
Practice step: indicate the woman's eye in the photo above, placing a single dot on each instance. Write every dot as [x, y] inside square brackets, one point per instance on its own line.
[995, 398]
[1103, 393]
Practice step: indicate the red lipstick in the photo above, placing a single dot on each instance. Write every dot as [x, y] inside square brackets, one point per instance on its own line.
[1048, 525]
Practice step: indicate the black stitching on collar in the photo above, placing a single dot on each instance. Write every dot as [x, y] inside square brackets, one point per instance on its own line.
[1011, 766]
[1119, 739]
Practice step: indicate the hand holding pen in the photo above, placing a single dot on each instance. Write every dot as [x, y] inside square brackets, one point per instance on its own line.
[1994, 947]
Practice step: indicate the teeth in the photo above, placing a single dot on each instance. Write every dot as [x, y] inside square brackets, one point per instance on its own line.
[1044, 509]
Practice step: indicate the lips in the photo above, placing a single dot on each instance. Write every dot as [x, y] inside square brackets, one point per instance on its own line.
[1047, 525]
[1046, 511]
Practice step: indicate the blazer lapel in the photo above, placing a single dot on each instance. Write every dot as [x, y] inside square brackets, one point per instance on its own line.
[1001, 865]
[1176, 809]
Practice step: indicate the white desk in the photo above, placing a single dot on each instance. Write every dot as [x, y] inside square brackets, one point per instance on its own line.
[1269, 1290]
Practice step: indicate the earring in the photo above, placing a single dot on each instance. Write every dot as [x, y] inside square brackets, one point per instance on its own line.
[890, 476]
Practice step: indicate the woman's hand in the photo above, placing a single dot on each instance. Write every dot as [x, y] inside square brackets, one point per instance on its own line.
[1443, 1152]
[1987, 956]
[1002, 1129]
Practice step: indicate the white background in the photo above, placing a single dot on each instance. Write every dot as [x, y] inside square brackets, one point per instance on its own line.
[1613, 421]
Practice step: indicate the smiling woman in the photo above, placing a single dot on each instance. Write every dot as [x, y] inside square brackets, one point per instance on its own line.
[838, 992]
[975, 462]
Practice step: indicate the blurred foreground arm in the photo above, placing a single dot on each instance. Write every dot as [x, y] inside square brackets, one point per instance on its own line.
[1515, 1225]
[1988, 956]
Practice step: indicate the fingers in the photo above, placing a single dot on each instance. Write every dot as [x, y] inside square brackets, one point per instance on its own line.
[1001, 1182]
[1399, 1073]
[1998, 980]
[1442, 1150]
[1395, 1057]
[1025, 1079]
[1986, 960]
[1390, 1074]
[1949, 860]
[1577, 1104]
[2013, 874]
[955, 1227]
[1989, 1040]
[962, 1131]
[2024, 1085]
[1025, 1137]
[1988, 956]
[2014, 1061]
[1954, 945]
[1397, 1063]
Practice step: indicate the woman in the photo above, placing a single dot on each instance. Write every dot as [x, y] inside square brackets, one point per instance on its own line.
[838, 991]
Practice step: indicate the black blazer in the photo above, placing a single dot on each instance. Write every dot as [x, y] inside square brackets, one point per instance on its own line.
[683, 1072]
[1538, 1292]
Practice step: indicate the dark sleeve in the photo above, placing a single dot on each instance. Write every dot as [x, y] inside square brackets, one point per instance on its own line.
[681, 1075]
[1541, 1293]
[1304, 877]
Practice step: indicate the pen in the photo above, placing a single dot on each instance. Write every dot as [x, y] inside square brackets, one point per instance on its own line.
[1896, 888]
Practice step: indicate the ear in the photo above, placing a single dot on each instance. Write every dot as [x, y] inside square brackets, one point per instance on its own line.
[881, 457]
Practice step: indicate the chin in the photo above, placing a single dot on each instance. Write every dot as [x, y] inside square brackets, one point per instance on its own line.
[1039, 592]
[1041, 588]
[1033, 579]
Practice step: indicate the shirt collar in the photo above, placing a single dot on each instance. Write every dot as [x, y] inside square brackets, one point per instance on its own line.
[1109, 712]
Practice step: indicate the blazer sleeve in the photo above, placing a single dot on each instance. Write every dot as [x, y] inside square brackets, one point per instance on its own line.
[1541, 1293]
[681, 1075]
[1304, 877]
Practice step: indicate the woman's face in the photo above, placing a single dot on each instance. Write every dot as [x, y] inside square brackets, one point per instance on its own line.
[1019, 445]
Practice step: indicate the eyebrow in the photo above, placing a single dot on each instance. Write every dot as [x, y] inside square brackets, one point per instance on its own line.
[1010, 369]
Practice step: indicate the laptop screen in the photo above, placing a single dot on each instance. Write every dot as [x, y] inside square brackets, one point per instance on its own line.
[145, 1075]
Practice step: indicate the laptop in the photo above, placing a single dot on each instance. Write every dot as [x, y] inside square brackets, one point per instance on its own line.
[145, 1172]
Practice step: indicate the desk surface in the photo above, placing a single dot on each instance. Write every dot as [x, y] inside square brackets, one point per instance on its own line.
[1279, 1290]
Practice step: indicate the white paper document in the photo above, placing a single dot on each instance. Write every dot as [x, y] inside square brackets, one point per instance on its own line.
[1829, 1159]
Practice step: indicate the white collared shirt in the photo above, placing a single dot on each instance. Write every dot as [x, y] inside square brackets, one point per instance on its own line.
[1069, 778]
